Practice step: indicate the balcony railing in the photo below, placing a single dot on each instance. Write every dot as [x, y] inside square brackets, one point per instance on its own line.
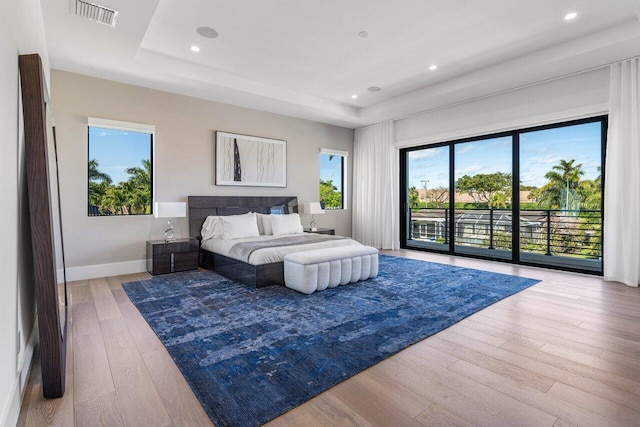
[555, 232]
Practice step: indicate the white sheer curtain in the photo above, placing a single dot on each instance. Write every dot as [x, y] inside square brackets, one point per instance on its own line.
[622, 176]
[375, 187]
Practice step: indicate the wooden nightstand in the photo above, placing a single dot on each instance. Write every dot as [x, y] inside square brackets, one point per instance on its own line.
[330, 231]
[169, 257]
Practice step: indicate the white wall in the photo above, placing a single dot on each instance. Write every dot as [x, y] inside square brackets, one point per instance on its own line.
[184, 164]
[21, 32]
[578, 96]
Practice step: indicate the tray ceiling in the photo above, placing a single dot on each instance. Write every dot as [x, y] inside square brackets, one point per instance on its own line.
[307, 59]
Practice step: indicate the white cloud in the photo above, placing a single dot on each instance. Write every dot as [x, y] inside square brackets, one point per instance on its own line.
[550, 160]
[469, 169]
[423, 154]
[466, 148]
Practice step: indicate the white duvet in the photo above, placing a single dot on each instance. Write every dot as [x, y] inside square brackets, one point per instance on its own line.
[269, 255]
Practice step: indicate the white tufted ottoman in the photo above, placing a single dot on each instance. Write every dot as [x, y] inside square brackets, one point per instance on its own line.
[320, 269]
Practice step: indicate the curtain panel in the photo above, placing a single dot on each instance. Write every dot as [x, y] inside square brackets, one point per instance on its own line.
[621, 245]
[375, 183]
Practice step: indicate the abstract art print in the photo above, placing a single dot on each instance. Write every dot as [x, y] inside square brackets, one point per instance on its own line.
[250, 161]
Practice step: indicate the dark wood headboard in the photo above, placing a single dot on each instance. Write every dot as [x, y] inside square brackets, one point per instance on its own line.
[200, 207]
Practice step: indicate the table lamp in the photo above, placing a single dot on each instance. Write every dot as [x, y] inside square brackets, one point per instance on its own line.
[170, 210]
[312, 208]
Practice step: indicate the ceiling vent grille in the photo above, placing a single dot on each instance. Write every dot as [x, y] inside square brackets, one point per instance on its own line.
[96, 12]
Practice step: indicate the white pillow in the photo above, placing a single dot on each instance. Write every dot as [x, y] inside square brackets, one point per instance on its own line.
[239, 226]
[286, 224]
[264, 224]
[211, 229]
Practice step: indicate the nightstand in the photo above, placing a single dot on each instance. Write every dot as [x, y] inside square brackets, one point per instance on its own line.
[169, 257]
[321, 231]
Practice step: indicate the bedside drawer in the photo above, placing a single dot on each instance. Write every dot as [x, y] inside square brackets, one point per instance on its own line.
[170, 257]
[175, 247]
[164, 263]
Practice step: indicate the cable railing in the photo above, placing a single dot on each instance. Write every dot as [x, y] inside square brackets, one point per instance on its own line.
[568, 233]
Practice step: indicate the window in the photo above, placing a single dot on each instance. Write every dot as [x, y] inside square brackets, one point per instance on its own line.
[561, 194]
[428, 176]
[483, 182]
[120, 168]
[332, 179]
[530, 196]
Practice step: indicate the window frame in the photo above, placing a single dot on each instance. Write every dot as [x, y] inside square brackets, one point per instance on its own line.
[405, 223]
[94, 122]
[344, 155]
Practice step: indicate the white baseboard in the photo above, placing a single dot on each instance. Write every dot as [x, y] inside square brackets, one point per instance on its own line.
[11, 412]
[12, 408]
[103, 270]
[24, 357]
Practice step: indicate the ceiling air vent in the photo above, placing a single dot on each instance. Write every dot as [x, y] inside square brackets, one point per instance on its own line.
[96, 12]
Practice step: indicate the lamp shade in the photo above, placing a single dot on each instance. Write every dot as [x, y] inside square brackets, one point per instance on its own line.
[170, 210]
[312, 208]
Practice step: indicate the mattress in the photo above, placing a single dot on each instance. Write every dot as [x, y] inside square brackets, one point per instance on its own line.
[275, 254]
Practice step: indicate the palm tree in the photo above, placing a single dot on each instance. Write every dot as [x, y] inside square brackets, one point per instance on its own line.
[563, 176]
[98, 184]
[414, 200]
[499, 200]
[138, 188]
[112, 201]
[141, 177]
[95, 174]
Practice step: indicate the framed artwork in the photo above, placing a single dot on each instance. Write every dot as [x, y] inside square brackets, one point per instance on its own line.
[250, 161]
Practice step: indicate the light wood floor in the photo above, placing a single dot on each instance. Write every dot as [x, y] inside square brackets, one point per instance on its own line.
[563, 352]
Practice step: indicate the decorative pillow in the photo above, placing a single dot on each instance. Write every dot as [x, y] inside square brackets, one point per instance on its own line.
[211, 229]
[286, 224]
[264, 224]
[239, 226]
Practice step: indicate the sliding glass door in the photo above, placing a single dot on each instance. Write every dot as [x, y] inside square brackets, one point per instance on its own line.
[458, 197]
[482, 208]
[427, 198]
[561, 196]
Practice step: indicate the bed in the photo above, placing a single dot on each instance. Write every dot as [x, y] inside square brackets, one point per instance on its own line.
[262, 267]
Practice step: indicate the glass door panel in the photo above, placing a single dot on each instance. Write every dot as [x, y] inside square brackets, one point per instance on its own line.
[428, 198]
[561, 196]
[483, 192]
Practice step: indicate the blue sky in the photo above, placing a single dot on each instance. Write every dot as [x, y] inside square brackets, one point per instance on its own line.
[539, 152]
[117, 150]
[331, 170]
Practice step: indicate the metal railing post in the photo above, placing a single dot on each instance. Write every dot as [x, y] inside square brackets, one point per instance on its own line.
[491, 228]
[446, 226]
[548, 232]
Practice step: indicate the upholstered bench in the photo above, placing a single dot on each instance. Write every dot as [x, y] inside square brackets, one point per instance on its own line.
[320, 269]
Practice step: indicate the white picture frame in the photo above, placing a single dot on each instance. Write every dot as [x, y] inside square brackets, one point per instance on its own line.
[250, 161]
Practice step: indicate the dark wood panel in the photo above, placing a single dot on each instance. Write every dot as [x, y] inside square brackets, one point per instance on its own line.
[329, 231]
[186, 245]
[160, 264]
[200, 207]
[185, 261]
[257, 276]
[169, 257]
[52, 335]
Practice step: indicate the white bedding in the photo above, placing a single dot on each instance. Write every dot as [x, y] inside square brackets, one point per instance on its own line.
[268, 255]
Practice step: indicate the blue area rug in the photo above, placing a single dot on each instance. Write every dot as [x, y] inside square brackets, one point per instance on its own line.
[253, 354]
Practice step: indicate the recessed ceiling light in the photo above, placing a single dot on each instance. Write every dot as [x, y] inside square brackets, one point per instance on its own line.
[195, 48]
[363, 34]
[569, 16]
[433, 67]
[207, 32]
[374, 88]
[354, 96]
